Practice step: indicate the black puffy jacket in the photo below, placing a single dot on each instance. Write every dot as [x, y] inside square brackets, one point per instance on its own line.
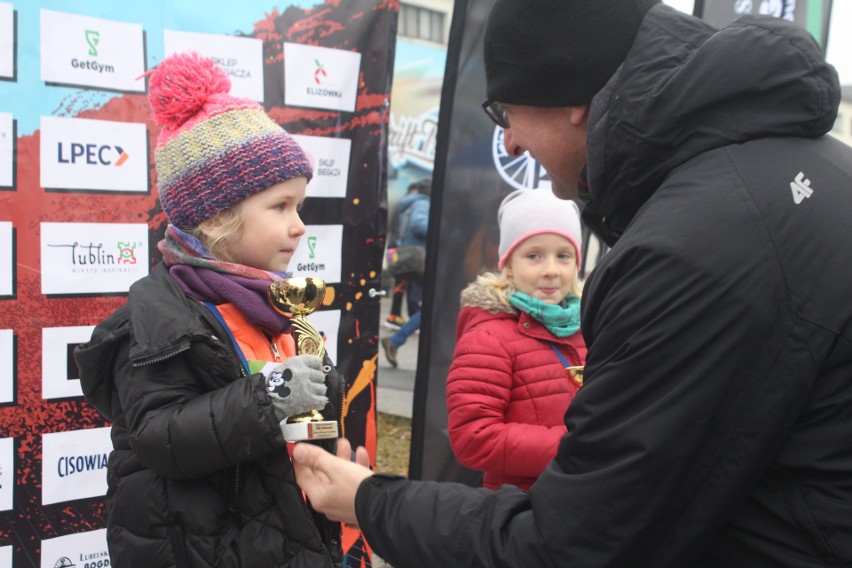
[199, 475]
[714, 427]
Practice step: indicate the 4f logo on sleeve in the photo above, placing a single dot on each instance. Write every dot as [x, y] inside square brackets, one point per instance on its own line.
[801, 188]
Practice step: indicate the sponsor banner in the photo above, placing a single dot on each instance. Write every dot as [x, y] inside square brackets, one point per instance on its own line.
[331, 164]
[7, 259]
[240, 57]
[6, 556]
[91, 52]
[94, 155]
[59, 375]
[328, 324]
[7, 477]
[7, 41]
[319, 254]
[413, 139]
[81, 550]
[92, 258]
[320, 77]
[7, 366]
[7, 150]
[74, 465]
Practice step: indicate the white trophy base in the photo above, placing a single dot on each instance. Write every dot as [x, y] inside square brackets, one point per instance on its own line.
[304, 431]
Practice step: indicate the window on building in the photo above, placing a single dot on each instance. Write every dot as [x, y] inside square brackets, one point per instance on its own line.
[421, 23]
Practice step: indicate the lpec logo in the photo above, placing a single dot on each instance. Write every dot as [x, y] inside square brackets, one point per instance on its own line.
[90, 258]
[93, 38]
[93, 155]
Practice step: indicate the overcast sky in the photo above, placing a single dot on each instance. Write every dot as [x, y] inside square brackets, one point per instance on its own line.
[839, 52]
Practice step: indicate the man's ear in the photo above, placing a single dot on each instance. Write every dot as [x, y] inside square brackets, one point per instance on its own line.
[579, 114]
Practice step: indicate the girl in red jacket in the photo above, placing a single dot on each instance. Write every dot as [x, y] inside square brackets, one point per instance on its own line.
[518, 332]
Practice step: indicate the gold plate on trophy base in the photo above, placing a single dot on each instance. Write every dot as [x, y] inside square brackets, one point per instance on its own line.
[306, 431]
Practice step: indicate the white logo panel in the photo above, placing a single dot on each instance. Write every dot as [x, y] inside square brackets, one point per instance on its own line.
[7, 150]
[7, 366]
[7, 476]
[319, 253]
[91, 52]
[96, 155]
[74, 465]
[59, 375]
[92, 258]
[328, 324]
[7, 41]
[331, 164]
[7, 259]
[81, 550]
[6, 556]
[320, 77]
[240, 57]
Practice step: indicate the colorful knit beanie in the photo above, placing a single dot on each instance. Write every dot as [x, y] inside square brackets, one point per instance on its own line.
[528, 212]
[214, 150]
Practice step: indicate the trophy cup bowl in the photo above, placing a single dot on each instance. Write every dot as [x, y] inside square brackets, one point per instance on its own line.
[296, 298]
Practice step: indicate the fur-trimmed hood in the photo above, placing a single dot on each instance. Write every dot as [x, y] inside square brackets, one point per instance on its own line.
[477, 295]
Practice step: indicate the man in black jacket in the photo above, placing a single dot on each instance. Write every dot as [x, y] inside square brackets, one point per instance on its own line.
[714, 425]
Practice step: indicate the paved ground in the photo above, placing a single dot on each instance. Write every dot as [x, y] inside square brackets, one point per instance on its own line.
[395, 386]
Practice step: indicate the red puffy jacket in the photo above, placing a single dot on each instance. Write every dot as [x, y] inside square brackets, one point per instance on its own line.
[507, 391]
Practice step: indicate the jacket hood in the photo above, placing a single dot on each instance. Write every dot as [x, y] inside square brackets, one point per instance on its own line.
[480, 303]
[677, 95]
[409, 199]
[156, 298]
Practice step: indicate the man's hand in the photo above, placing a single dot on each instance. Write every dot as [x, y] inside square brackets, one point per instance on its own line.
[329, 482]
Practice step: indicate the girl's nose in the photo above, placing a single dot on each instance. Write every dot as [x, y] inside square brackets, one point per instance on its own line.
[297, 229]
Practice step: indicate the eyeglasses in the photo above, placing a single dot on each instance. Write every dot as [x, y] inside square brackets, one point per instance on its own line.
[496, 112]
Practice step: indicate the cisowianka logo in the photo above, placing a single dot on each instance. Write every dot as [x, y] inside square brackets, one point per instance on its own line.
[74, 465]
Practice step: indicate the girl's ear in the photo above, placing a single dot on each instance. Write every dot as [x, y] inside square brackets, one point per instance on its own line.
[210, 226]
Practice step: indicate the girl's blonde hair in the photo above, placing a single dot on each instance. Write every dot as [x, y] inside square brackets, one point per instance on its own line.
[503, 285]
[218, 231]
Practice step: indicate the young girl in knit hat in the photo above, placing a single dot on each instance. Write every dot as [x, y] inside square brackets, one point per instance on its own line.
[518, 333]
[200, 474]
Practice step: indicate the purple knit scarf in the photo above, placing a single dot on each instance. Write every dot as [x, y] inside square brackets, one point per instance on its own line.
[205, 278]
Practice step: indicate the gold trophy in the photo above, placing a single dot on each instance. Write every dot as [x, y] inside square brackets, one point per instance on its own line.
[296, 298]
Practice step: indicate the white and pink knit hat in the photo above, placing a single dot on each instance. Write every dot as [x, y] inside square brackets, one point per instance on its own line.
[528, 212]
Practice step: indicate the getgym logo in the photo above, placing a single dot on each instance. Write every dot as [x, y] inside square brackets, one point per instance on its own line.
[93, 38]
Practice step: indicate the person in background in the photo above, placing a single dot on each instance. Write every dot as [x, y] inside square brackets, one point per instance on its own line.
[200, 473]
[518, 333]
[409, 226]
[713, 425]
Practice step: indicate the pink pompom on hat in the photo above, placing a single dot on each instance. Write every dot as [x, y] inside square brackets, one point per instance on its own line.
[214, 150]
[528, 212]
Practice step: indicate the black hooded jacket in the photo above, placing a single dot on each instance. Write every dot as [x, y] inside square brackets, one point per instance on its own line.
[714, 427]
[199, 475]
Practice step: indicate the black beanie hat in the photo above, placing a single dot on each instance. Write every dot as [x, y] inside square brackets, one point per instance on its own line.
[551, 53]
